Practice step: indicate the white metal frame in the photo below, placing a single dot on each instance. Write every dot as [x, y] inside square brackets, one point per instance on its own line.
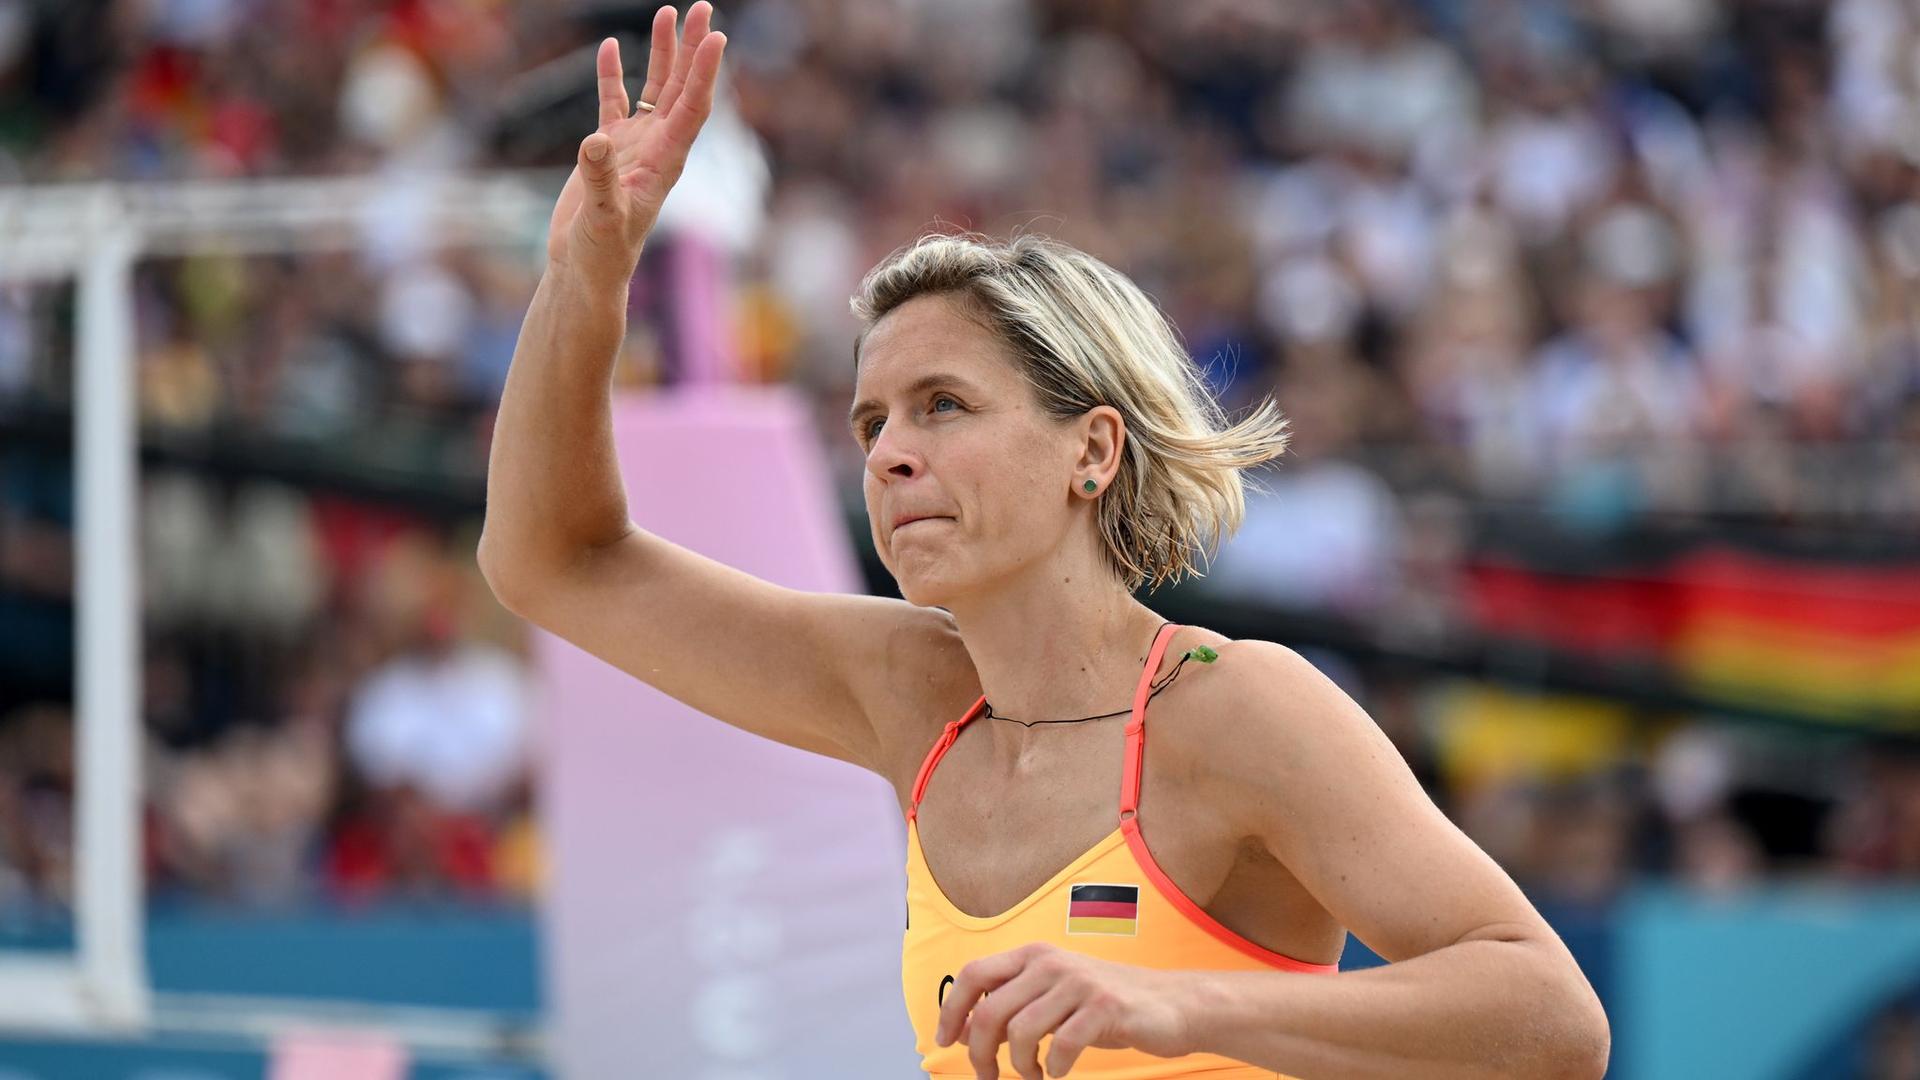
[95, 233]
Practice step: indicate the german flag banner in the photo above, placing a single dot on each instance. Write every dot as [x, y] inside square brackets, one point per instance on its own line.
[1834, 641]
[1838, 642]
[1103, 909]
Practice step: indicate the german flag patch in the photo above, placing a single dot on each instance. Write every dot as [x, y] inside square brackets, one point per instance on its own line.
[1103, 909]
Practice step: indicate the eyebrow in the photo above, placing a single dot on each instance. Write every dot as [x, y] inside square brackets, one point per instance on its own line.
[921, 385]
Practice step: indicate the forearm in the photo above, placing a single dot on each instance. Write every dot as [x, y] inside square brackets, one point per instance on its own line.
[1480, 1008]
[553, 481]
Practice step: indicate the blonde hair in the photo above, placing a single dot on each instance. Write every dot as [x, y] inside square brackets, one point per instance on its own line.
[1085, 335]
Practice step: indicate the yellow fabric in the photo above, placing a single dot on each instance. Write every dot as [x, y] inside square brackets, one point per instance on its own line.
[940, 939]
[1129, 912]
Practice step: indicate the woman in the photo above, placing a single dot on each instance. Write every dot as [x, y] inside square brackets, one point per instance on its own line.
[1037, 447]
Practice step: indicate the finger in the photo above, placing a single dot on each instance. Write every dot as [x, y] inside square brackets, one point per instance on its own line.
[977, 978]
[660, 61]
[990, 1018]
[1031, 1024]
[696, 103]
[699, 20]
[1070, 1037]
[613, 86]
[598, 167]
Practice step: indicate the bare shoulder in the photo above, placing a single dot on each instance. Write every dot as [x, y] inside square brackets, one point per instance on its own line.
[926, 660]
[925, 680]
[1237, 680]
[1285, 720]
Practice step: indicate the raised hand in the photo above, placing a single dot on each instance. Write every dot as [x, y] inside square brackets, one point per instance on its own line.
[630, 162]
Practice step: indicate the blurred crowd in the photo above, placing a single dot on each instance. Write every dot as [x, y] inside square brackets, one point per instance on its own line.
[335, 709]
[1620, 260]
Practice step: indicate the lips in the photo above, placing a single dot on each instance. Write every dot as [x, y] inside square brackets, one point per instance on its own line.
[908, 519]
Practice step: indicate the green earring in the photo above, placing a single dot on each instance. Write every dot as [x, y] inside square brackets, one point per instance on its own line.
[1090, 485]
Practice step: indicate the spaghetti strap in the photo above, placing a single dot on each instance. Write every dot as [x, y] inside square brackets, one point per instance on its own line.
[1137, 725]
[951, 732]
[1130, 782]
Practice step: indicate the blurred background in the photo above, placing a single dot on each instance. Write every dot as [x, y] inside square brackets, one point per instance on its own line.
[1598, 322]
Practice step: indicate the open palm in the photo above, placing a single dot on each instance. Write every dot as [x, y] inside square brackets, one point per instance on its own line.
[627, 166]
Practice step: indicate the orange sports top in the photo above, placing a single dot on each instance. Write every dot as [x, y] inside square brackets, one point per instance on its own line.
[1113, 902]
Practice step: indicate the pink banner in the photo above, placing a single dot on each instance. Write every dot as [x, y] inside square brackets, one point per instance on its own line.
[723, 906]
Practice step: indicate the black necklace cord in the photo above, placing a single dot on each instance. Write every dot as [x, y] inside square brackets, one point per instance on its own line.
[1200, 653]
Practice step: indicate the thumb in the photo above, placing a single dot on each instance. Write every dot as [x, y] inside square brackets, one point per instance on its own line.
[596, 163]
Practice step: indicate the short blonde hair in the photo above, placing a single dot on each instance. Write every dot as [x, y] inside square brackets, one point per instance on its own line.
[1085, 335]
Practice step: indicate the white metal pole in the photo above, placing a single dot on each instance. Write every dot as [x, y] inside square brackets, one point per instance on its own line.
[109, 885]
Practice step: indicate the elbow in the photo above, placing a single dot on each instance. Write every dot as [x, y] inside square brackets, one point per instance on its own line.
[1580, 1050]
[1561, 1030]
[1597, 1047]
[1586, 1059]
[494, 571]
[1586, 1046]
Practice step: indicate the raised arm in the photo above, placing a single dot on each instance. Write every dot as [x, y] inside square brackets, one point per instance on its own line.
[809, 670]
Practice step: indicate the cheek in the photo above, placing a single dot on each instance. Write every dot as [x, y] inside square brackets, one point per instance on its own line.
[870, 491]
[1013, 486]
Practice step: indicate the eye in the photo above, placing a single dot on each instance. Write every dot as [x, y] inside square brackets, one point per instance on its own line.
[871, 430]
[938, 398]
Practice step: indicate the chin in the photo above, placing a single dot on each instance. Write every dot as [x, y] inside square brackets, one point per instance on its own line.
[922, 592]
[928, 586]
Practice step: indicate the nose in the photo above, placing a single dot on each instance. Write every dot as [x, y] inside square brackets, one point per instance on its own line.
[893, 456]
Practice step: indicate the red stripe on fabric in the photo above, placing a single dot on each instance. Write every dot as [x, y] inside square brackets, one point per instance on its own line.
[947, 735]
[1136, 724]
[1103, 909]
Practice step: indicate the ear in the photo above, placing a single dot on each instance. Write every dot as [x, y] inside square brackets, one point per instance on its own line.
[1103, 436]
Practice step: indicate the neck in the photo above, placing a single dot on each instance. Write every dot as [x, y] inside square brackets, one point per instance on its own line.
[1054, 649]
